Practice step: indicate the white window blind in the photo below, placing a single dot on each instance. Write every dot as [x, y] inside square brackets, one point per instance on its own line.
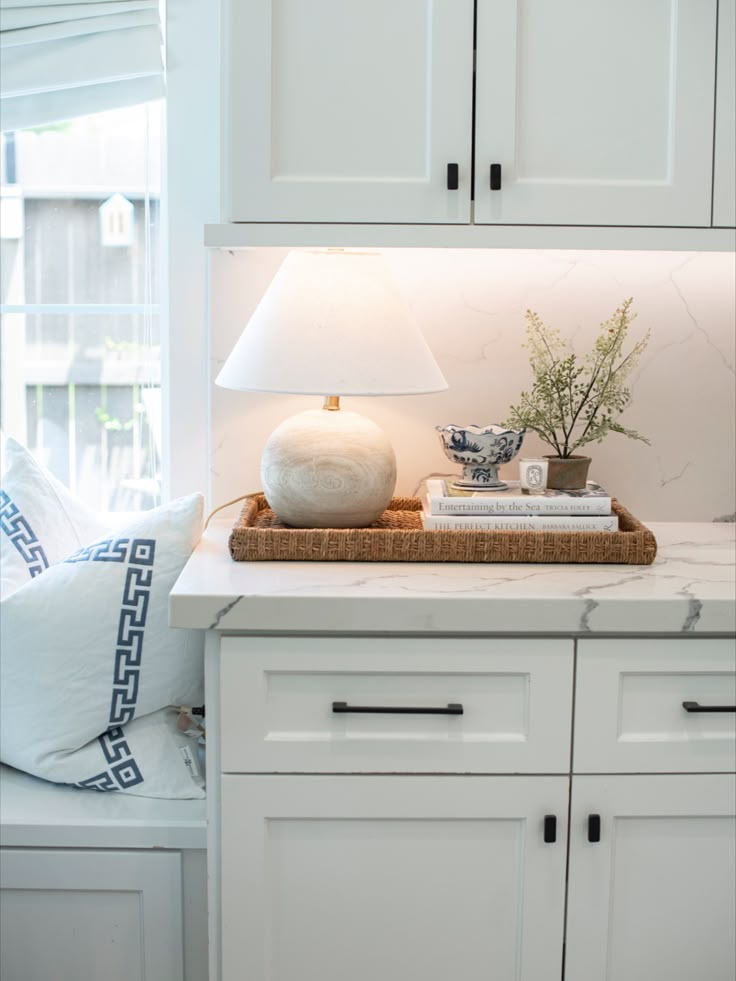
[62, 60]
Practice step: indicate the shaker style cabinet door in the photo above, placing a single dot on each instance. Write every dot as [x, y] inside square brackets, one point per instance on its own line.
[84, 914]
[348, 110]
[595, 112]
[651, 885]
[724, 165]
[391, 878]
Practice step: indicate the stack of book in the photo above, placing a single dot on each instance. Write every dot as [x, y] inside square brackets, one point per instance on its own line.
[446, 508]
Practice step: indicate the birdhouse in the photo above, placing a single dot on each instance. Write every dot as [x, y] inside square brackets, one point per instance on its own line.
[117, 221]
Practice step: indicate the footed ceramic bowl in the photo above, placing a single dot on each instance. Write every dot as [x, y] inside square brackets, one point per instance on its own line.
[480, 450]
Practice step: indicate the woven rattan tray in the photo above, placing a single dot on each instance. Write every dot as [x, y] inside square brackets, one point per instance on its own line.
[398, 536]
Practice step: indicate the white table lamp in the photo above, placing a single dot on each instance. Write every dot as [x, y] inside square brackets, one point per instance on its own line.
[331, 323]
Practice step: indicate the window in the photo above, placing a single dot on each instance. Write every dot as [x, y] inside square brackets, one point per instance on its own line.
[80, 292]
[125, 70]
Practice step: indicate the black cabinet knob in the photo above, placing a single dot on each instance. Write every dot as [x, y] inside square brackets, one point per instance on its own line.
[550, 828]
[594, 827]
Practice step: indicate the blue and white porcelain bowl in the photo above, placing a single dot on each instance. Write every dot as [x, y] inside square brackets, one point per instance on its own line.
[480, 450]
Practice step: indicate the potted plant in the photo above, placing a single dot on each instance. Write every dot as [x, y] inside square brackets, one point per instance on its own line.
[575, 401]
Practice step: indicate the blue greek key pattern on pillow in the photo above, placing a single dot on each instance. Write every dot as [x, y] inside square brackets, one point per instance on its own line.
[22, 536]
[123, 772]
[131, 626]
[102, 781]
[109, 550]
[139, 555]
[129, 649]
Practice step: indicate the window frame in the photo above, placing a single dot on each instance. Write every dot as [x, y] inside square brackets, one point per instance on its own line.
[190, 199]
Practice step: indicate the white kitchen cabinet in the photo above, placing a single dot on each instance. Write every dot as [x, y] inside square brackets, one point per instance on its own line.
[373, 877]
[84, 915]
[595, 113]
[100, 887]
[387, 839]
[352, 111]
[586, 113]
[399, 845]
[653, 899]
[653, 811]
[394, 840]
[724, 164]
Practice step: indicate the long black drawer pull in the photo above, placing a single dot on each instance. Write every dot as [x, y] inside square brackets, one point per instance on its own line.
[695, 707]
[453, 177]
[594, 827]
[454, 708]
[550, 828]
[495, 177]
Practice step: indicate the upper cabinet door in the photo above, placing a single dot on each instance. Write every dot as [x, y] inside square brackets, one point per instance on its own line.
[348, 110]
[598, 112]
[724, 185]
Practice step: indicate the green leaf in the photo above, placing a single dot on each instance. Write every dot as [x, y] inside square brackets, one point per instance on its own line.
[575, 401]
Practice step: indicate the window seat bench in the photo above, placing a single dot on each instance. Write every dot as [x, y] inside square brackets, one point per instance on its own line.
[100, 882]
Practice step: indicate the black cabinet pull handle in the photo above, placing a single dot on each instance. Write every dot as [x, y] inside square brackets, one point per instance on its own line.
[695, 707]
[550, 828]
[453, 177]
[453, 708]
[495, 177]
[594, 827]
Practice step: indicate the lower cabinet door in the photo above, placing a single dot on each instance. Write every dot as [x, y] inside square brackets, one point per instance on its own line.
[84, 915]
[652, 895]
[393, 878]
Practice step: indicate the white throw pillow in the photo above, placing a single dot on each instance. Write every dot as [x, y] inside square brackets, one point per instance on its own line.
[41, 522]
[89, 661]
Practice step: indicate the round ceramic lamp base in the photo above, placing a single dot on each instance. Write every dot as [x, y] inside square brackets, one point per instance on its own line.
[324, 469]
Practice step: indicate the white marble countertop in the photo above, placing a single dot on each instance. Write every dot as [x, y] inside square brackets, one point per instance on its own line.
[690, 588]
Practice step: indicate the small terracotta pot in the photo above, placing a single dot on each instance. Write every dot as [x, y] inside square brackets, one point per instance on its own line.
[567, 473]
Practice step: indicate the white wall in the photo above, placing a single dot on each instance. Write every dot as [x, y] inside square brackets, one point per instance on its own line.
[470, 305]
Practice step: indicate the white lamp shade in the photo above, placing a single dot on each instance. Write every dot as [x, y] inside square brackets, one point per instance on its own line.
[332, 323]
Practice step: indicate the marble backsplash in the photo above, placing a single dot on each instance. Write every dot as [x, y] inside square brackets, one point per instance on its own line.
[470, 305]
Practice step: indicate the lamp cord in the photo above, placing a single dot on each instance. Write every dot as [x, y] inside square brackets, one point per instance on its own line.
[227, 505]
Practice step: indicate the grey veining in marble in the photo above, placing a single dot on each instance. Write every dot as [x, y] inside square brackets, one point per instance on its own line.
[220, 614]
[689, 589]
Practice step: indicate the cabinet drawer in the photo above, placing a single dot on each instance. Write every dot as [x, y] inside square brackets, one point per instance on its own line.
[278, 710]
[629, 714]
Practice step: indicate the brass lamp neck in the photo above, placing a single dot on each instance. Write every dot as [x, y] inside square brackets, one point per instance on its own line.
[332, 403]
